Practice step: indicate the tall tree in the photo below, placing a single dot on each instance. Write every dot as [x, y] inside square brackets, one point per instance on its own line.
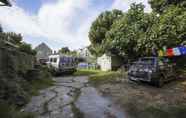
[130, 35]
[64, 50]
[100, 27]
[171, 29]
[12, 37]
[160, 5]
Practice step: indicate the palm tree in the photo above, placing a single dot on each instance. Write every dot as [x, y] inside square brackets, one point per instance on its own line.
[5, 3]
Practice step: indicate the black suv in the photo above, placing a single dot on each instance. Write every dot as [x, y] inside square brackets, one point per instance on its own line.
[152, 69]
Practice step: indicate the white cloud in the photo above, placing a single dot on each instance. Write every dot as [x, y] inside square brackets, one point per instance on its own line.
[125, 4]
[16, 19]
[66, 21]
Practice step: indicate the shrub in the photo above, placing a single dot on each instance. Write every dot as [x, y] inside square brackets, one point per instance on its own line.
[13, 93]
[10, 111]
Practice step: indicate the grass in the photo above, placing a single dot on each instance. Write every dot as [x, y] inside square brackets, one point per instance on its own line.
[157, 112]
[10, 111]
[86, 72]
[105, 77]
[97, 77]
[39, 84]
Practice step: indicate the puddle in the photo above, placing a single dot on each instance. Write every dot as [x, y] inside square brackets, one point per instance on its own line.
[94, 105]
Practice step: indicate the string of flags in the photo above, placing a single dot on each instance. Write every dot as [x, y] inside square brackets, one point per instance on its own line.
[178, 51]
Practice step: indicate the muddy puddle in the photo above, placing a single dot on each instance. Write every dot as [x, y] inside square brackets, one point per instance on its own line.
[94, 105]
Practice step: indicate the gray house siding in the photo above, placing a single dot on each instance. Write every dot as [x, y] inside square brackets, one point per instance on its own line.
[43, 51]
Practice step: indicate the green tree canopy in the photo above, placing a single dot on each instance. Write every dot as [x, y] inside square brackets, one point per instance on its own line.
[67, 51]
[130, 35]
[12, 37]
[137, 33]
[171, 29]
[99, 28]
[17, 41]
[160, 5]
[27, 48]
[64, 50]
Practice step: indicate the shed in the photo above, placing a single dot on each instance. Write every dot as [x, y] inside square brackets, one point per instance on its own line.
[109, 62]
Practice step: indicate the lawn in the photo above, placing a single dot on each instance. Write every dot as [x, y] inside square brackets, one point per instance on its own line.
[105, 77]
[97, 77]
[86, 72]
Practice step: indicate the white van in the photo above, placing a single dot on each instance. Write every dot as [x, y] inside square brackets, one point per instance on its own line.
[62, 63]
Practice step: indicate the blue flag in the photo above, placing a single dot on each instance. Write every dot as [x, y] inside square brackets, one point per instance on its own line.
[182, 50]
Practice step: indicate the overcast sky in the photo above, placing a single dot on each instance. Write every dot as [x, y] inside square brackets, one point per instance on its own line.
[58, 23]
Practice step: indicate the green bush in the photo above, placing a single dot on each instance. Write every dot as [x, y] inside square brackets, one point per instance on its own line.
[10, 111]
[39, 78]
[18, 91]
[12, 92]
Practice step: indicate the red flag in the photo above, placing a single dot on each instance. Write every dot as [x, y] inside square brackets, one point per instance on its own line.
[170, 52]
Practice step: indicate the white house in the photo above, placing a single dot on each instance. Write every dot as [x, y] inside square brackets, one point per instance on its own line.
[84, 52]
[86, 55]
[107, 62]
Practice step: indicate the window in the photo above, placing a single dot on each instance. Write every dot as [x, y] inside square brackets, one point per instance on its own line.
[55, 60]
[51, 59]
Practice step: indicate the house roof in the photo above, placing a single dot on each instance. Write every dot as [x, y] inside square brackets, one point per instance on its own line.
[43, 46]
[5, 3]
[43, 51]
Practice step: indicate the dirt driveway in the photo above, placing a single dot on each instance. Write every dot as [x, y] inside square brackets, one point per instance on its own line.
[141, 100]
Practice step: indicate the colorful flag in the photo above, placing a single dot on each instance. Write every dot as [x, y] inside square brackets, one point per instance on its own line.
[176, 52]
[160, 53]
[170, 52]
[182, 50]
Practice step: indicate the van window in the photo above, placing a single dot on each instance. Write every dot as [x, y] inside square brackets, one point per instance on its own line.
[62, 60]
[50, 59]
